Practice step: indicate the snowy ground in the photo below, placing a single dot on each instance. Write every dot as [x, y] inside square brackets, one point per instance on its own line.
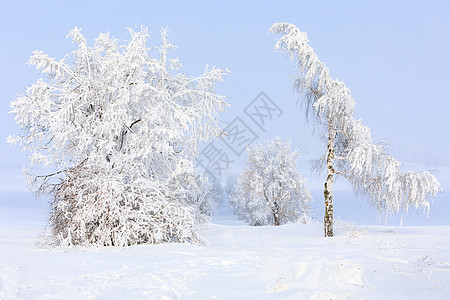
[237, 262]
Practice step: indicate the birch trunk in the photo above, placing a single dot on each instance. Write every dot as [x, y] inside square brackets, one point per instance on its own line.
[328, 192]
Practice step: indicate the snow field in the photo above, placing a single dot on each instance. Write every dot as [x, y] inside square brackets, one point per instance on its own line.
[236, 262]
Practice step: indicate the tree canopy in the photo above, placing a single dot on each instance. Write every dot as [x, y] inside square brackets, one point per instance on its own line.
[121, 127]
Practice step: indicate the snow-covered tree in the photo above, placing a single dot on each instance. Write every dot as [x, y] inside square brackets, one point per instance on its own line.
[270, 191]
[230, 184]
[350, 149]
[203, 196]
[119, 127]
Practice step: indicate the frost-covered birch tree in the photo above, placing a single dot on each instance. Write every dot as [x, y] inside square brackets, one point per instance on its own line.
[350, 150]
[270, 191]
[118, 127]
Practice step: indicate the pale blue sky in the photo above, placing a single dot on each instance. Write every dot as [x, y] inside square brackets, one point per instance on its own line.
[393, 57]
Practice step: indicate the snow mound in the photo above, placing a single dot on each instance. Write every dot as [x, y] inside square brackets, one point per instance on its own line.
[319, 278]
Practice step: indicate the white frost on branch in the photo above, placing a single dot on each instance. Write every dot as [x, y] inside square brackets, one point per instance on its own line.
[368, 166]
[122, 128]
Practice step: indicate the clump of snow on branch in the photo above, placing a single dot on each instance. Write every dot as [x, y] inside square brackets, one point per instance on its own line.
[270, 191]
[120, 128]
[368, 166]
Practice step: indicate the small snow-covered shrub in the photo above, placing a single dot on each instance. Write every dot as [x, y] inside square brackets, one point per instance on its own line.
[270, 191]
[230, 185]
[202, 196]
[102, 210]
[121, 129]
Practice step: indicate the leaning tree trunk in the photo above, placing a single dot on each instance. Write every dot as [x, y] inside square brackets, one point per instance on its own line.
[328, 192]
